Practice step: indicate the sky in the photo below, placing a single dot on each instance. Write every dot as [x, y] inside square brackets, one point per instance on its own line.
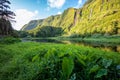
[27, 10]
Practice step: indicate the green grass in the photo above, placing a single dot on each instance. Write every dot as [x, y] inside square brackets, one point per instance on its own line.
[103, 40]
[109, 39]
[48, 61]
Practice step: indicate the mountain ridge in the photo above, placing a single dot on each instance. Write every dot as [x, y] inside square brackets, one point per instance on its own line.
[101, 16]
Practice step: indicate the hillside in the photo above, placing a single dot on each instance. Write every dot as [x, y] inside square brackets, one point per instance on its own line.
[96, 16]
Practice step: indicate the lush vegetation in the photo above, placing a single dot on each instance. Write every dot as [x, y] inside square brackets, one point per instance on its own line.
[9, 40]
[5, 27]
[96, 21]
[49, 31]
[114, 39]
[47, 61]
[96, 16]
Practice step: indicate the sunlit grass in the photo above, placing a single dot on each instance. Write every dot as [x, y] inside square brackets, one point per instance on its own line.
[46, 61]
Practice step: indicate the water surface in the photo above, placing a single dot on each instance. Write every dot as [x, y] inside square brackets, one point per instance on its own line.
[103, 46]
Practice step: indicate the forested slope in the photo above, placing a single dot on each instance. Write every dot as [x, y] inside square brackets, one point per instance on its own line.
[96, 16]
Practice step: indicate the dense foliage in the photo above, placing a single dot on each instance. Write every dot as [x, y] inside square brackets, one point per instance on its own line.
[49, 31]
[96, 16]
[9, 40]
[5, 27]
[40, 61]
[22, 34]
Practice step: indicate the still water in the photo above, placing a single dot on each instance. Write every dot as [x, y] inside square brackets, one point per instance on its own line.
[104, 46]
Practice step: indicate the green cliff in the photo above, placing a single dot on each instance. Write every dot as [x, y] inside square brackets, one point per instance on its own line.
[96, 16]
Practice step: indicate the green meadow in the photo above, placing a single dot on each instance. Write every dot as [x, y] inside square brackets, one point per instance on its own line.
[50, 61]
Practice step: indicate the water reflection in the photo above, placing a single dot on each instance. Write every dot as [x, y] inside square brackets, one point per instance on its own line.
[42, 40]
[46, 40]
[102, 46]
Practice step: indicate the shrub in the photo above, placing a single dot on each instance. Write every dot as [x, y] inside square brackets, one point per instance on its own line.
[97, 35]
[74, 35]
[9, 40]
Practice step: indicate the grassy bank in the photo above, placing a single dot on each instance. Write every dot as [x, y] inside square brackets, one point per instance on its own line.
[115, 40]
[103, 40]
[47, 61]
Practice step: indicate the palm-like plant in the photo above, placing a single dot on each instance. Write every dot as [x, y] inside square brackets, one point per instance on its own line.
[4, 12]
[6, 16]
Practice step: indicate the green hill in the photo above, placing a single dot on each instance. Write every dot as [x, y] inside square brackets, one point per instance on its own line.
[96, 16]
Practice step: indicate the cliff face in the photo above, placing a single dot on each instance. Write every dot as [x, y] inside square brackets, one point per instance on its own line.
[96, 16]
[99, 16]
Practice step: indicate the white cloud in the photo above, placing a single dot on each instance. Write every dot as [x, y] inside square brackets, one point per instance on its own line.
[23, 16]
[56, 3]
[79, 3]
[59, 13]
[36, 12]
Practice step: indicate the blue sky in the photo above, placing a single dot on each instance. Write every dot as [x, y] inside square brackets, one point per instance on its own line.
[27, 10]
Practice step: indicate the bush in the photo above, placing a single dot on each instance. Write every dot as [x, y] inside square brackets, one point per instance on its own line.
[97, 35]
[74, 35]
[9, 40]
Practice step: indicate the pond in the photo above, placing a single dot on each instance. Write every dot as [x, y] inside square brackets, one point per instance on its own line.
[103, 46]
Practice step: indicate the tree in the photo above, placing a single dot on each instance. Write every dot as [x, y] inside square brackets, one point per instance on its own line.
[6, 16]
[49, 31]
